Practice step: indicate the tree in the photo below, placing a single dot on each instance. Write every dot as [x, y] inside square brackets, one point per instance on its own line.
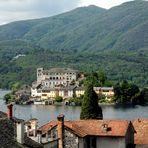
[102, 77]
[90, 108]
[15, 86]
[144, 95]
[8, 98]
[93, 79]
[126, 92]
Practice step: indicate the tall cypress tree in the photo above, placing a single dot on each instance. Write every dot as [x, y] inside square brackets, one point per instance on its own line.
[90, 108]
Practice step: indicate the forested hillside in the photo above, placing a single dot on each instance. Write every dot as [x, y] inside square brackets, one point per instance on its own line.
[87, 38]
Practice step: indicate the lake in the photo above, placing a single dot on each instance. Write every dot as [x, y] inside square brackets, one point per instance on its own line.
[50, 112]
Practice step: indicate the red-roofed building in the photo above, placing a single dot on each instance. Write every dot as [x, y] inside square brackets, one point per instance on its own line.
[88, 133]
[141, 133]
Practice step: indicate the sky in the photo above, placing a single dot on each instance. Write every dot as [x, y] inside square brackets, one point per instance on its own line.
[14, 10]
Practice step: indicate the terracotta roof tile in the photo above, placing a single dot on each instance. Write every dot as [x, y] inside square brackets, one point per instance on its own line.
[83, 128]
[48, 126]
[141, 128]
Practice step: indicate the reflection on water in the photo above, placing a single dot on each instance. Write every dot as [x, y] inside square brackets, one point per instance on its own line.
[45, 113]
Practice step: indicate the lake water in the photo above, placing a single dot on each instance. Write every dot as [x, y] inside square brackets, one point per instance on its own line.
[46, 113]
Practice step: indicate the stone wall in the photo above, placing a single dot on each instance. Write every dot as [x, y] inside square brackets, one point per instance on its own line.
[71, 140]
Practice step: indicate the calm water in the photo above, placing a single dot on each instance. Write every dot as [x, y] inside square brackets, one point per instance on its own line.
[45, 113]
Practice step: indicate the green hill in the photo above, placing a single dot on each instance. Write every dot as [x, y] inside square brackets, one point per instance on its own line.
[87, 38]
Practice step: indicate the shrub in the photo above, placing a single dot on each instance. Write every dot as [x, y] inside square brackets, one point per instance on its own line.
[59, 99]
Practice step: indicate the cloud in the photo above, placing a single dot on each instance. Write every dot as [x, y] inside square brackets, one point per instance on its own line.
[103, 3]
[12, 10]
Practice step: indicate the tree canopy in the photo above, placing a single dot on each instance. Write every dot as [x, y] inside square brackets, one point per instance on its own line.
[126, 92]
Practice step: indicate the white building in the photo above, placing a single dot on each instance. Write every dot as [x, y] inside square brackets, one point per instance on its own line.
[56, 76]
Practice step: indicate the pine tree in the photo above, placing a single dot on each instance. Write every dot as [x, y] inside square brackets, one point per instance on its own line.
[90, 108]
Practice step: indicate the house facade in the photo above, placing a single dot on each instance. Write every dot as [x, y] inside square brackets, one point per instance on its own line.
[47, 93]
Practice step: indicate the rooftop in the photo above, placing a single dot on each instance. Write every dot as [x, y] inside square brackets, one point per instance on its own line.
[103, 88]
[3, 115]
[141, 128]
[60, 70]
[83, 128]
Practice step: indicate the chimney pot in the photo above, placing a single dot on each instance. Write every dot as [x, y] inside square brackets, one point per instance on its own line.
[104, 128]
[60, 117]
[20, 131]
[9, 111]
[39, 135]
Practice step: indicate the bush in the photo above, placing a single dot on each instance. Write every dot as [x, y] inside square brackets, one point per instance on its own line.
[8, 98]
[59, 99]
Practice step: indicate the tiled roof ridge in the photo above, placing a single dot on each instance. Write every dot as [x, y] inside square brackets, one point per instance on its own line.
[92, 127]
[78, 130]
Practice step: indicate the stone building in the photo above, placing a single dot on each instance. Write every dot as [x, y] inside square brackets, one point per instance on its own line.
[56, 76]
[88, 133]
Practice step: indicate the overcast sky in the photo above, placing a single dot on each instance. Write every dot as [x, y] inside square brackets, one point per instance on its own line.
[13, 10]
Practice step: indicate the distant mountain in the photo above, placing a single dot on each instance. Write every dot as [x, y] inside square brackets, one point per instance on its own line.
[115, 40]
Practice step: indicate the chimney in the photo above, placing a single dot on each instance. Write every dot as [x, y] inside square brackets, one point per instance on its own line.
[61, 130]
[39, 136]
[9, 111]
[20, 131]
[46, 136]
[35, 127]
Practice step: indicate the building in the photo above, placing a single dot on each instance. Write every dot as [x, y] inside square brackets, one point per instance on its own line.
[80, 91]
[31, 127]
[56, 76]
[23, 94]
[65, 92]
[141, 133]
[62, 82]
[108, 92]
[87, 133]
[12, 132]
[36, 90]
[45, 93]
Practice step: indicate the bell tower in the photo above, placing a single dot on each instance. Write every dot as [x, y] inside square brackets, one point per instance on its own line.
[39, 75]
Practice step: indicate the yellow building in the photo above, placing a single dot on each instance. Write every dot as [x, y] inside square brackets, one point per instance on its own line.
[79, 91]
[108, 92]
